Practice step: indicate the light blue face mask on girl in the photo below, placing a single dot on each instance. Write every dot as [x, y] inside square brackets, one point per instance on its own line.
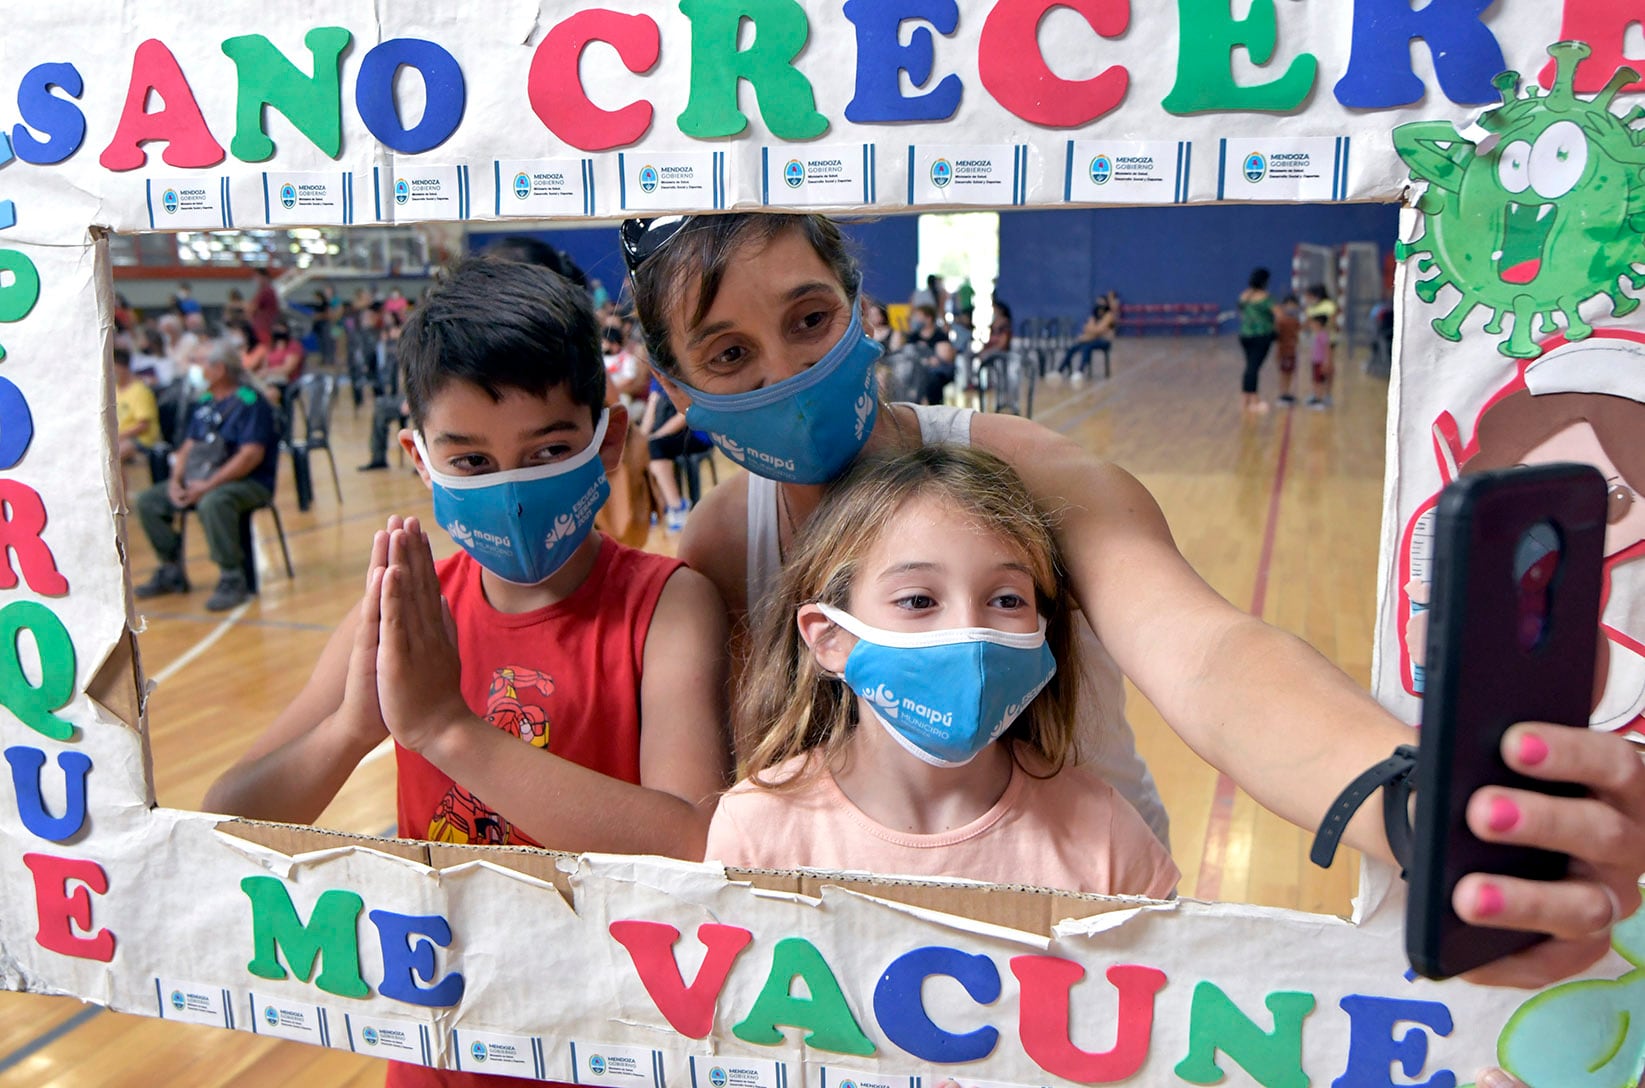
[806, 429]
[945, 695]
[522, 525]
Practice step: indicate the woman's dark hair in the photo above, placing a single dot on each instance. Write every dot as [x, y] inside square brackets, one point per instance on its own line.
[1259, 279]
[500, 324]
[702, 250]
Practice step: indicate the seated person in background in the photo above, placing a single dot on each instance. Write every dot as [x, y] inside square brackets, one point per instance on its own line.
[876, 324]
[912, 567]
[283, 363]
[999, 330]
[526, 727]
[1096, 335]
[926, 335]
[225, 467]
[137, 415]
[389, 410]
[667, 437]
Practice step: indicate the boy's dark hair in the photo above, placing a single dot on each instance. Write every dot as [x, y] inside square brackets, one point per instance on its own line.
[499, 325]
[528, 250]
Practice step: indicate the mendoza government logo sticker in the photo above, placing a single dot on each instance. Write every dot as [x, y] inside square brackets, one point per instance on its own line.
[169, 201]
[271, 1016]
[942, 172]
[288, 196]
[1256, 167]
[478, 1051]
[522, 185]
[717, 1077]
[596, 1065]
[1102, 170]
[369, 1036]
[794, 174]
[648, 179]
[402, 190]
[177, 1000]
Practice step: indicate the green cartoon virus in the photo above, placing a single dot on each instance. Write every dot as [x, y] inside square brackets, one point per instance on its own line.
[1543, 213]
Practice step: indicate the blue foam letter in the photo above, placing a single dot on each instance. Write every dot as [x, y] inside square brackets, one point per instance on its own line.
[881, 57]
[900, 1008]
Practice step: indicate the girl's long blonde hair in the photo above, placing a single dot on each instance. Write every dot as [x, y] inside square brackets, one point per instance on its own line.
[788, 705]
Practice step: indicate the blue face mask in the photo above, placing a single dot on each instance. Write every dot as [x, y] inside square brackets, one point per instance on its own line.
[806, 429]
[945, 695]
[522, 525]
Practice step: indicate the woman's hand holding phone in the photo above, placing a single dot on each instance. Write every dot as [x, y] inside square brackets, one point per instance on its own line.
[1604, 834]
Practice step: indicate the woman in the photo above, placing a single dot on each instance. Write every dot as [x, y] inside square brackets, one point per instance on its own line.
[752, 325]
[1256, 335]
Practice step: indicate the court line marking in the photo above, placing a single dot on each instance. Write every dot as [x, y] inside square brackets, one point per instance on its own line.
[1214, 855]
[206, 643]
[255, 621]
[50, 1036]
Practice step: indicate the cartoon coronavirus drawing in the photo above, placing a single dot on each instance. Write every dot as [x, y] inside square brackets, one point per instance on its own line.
[1542, 213]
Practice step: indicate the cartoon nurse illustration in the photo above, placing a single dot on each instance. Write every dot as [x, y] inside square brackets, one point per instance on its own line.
[1580, 402]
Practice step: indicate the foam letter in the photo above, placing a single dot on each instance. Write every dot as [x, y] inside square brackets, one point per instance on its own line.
[1209, 37]
[1603, 24]
[899, 1004]
[189, 142]
[824, 1015]
[26, 765]
[445, 95]
[18, 296]
[1372, 1049]
[1216, 1023]
[1014, 72]
[330, 933]
[689, 1010]
[61, 121]
[57, 907]
[22, 520]
[34, 706]
[1044, 1018]
[405, 960]
[16, 422]
[717, 66]
[314, 103]
[556, 89]
[882, 58]
[1466, 54]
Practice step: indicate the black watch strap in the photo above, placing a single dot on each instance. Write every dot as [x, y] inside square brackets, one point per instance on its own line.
[1393, 776]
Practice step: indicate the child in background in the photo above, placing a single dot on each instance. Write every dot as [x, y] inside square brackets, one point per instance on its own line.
[1287, 324]
[913, 687]
[1321, 360]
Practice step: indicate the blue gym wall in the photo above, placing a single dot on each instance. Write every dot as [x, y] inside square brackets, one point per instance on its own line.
[887, 248]
[1053, 263]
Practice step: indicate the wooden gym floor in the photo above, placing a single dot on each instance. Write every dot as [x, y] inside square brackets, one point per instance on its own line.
[1280, 512]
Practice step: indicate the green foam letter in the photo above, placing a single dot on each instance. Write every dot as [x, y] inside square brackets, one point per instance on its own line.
[824, 1015]
[330, 933]
[1205, 81]
[1216, 1023]
[313, 103]
[717, 66]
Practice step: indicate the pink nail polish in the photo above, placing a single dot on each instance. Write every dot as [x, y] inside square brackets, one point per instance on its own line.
[1490, 902]
[1532, 750]
[1504, 815]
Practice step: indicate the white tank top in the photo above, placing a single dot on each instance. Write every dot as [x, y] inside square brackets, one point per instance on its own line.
[1106, 742]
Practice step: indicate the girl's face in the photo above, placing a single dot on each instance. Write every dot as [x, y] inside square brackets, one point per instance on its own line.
[932, 569]
[779, 309]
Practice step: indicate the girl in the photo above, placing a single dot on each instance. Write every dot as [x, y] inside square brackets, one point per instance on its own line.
[1256, 336]
[751, 322]
[914, 717]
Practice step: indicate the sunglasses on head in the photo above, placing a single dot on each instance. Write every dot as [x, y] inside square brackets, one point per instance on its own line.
[643, 237]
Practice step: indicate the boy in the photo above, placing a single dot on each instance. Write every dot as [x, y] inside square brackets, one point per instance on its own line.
[565, 646]
[1287, 324]
[1321, 360]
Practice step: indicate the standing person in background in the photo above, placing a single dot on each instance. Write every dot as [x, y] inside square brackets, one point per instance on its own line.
[965, 297]
[183, 301]
[265, 305]
[325, 318]
[1256, 335]
[1287, 325]
[234, 310]
[1320, 357]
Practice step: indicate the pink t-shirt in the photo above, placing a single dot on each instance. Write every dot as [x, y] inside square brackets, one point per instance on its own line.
[1071, 831]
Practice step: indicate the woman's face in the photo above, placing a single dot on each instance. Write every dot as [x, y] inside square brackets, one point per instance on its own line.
[1579, 443]
[778, 311]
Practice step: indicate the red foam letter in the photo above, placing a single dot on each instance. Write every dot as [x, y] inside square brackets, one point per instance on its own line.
[22, 520]
[556, 89]
[189, 142]
[1015, 73]
[688, 1010]
[1046, 981]
[1602, 24]
[57, 906]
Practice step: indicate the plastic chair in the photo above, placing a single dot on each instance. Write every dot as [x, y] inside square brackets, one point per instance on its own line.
[314, 393]
[688, 472]
[247, 540]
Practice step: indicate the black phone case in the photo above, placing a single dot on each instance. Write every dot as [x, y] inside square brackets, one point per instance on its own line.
[1481, 679]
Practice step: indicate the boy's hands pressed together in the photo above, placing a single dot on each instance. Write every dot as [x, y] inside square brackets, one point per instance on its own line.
[419, 674]
[359, 714]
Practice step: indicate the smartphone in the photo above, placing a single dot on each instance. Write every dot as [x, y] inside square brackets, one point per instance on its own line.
[1512, 630]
